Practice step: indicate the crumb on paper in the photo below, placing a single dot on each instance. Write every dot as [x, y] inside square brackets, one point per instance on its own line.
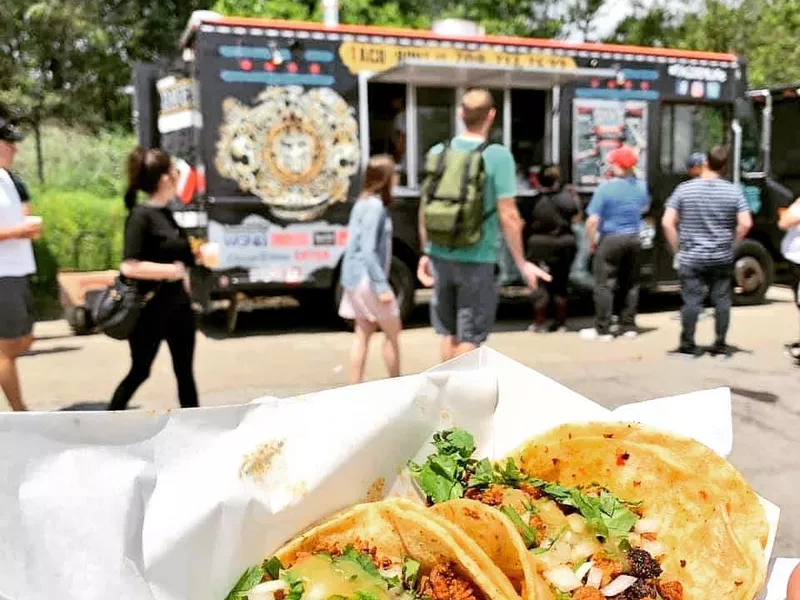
[256, 464]
[376, 490]
[445, 415]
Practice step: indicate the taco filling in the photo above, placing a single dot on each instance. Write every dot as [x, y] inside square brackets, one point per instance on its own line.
[356, 572]
[587, 543]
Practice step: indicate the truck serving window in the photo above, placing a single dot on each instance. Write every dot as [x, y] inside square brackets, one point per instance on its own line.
[435, 119]
[387, 124]
[688, 128]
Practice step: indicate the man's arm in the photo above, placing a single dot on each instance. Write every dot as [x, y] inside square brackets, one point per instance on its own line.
[744, 223]
[790, 217]
[594, 210]
[669, 223]
[592, 225]
[744, 220]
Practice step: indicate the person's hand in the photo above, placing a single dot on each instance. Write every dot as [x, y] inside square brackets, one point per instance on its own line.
[592, 248]
[793, 588]
[29, 230]
[532, 274]
[424, 271]
[180, 272]
[386, 297]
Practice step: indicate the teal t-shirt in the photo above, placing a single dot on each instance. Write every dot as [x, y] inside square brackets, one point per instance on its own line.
[501, 182]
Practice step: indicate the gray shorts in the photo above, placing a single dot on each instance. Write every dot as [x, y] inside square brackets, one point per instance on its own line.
[464, 300]
[16, 308]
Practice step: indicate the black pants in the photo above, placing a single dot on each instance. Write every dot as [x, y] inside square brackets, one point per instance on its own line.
[616, 275]
[694, 281]
[558, 254]
[167, 320]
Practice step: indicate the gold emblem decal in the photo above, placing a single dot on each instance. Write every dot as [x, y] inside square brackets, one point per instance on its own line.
[295, 149]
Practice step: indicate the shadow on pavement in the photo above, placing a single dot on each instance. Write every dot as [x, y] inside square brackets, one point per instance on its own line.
[56, 350]
[89, 406]
[766, 397]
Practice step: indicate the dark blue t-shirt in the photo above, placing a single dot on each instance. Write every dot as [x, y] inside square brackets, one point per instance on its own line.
[620, 204]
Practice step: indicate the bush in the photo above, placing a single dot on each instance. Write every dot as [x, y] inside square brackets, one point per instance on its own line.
[76, 160]
[82, 232]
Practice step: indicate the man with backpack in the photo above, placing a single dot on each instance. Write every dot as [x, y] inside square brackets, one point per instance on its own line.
[468, 194]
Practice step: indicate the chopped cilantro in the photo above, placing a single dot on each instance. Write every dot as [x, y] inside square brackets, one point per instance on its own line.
[249, 579]
[364, 596]
[443, 475]
[410, 573]
[529, 535]
[539, 550]
[296, 589]
[272, 567]
[483, 475]
[361, 559]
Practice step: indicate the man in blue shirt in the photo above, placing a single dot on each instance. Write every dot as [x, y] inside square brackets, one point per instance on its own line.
[615, 213]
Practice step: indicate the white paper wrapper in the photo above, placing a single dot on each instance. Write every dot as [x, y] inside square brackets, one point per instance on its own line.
[146, 505]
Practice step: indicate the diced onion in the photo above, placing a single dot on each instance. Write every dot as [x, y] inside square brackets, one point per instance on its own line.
[266, 590]
[595, 578]
[654, 547]
[563, 578]
[646, 526]
[576, 523]
[619, 585]
[581, 550]
[581, 571]
[635, 539]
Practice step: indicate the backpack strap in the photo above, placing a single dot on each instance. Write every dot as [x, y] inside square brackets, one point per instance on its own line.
[436, 176]
[465, 180]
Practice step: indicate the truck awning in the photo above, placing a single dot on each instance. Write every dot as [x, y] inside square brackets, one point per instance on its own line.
[467, 74]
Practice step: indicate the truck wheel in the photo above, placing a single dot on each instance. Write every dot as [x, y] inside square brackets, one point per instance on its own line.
[753, 271]
[401, 279]
[79, 320]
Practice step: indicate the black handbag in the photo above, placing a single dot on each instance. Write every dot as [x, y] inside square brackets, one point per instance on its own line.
[117, 309]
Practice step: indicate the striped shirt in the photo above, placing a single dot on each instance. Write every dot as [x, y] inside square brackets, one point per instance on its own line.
[707, 216]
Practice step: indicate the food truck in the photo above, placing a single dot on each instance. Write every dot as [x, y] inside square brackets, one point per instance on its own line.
[275, 120]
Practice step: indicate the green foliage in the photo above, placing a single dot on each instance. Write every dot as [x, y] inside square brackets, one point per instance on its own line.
[75, 159]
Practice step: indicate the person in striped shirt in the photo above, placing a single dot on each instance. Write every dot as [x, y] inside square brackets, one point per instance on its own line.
[703, 220]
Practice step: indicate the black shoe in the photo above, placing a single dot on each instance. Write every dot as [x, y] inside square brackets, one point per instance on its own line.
[721, 351]
[684, 352]
[793, 350]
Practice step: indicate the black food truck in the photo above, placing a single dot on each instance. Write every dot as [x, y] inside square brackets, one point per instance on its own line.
[275, 120]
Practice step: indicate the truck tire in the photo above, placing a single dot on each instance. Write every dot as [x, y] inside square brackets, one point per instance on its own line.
[753, 272]
[401, 278]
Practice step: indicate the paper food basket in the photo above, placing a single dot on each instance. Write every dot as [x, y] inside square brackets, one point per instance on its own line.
[174, 505]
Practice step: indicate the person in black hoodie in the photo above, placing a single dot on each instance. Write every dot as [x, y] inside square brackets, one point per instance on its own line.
[552, 241]
[157, 254]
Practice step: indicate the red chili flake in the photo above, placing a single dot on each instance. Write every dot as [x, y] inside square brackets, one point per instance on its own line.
[622, 457]
[703, 495]
[570, 436]
[637, 483]
[683, 563]
[608, 436]
[555, 461]
[737, 583]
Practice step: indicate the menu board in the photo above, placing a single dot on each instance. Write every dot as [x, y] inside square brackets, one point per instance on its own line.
[600, 126]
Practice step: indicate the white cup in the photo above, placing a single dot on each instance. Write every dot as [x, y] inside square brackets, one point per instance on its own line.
[34, 220]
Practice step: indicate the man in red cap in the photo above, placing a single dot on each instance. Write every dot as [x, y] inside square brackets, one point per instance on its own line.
[615, 215]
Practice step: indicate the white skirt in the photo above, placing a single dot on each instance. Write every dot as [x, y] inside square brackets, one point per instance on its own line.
[362, 303]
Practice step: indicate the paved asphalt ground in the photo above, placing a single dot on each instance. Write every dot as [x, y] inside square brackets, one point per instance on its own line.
[283, 352]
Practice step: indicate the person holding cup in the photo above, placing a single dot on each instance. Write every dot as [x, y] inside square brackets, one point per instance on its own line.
[157, 257]
[17, 229]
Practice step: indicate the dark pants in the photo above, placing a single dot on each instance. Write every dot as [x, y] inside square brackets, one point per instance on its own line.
[694, 281]
[558, 253]
[616, 275]
[170, 321]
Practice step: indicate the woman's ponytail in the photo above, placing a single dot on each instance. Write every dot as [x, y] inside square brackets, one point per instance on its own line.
[136, 161]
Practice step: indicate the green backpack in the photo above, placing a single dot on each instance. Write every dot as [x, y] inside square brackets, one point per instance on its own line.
[452, 196]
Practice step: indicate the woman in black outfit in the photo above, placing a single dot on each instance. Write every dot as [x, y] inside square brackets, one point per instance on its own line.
[157, 254]
[552, 241]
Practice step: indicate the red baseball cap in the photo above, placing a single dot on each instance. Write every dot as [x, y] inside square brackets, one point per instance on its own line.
[623, 157]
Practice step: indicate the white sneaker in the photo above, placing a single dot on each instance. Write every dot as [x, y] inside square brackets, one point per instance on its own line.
[630, 334]
[592, 334]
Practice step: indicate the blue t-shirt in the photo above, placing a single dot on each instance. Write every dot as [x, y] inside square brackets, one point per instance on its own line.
[620, 204]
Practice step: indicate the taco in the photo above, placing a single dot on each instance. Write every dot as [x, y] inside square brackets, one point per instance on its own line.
[605, 510]
[389, 550]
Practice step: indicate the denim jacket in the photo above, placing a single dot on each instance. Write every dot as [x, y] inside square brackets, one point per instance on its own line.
[369, 245]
